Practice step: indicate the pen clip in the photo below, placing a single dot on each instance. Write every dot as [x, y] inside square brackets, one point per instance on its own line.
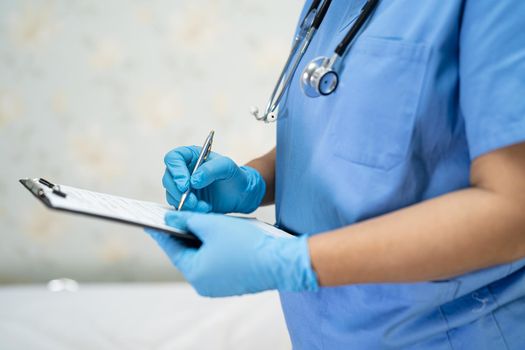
[208, 151]
[207, 144]
[56, 188]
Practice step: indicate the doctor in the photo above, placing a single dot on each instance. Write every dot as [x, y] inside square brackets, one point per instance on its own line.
[406, 183]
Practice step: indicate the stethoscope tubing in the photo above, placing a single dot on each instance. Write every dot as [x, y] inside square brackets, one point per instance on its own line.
[286, 82]
[301, 45]
[299, 48]
[364, 15]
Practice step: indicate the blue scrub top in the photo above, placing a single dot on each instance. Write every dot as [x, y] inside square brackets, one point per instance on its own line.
[427, 87]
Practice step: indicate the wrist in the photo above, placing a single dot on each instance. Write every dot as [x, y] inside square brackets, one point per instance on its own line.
[295, 272]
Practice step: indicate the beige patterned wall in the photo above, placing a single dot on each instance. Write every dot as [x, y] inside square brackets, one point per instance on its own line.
[93, 93]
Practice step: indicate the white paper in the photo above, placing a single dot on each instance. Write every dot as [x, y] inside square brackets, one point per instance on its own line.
[141, 212]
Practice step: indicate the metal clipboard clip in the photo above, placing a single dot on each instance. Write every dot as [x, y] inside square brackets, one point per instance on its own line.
[34, 186]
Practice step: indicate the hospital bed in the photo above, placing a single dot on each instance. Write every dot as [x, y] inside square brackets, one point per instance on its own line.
[137, 316]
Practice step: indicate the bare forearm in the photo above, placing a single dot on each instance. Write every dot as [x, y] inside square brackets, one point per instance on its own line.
[439, 238]
[265, 165]
[462, 231]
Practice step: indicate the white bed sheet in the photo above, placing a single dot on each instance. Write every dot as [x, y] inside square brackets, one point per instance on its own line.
[138, 316]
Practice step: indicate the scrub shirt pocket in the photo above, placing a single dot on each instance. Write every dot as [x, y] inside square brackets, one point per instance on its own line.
[376, 103]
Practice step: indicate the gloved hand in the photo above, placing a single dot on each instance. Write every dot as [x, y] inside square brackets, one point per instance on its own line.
[236, 257]
[219, 185]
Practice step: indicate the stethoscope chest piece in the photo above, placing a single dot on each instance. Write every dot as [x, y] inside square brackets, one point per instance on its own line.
[319, 78]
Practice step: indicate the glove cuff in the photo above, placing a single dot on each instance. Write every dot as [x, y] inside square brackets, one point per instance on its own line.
[296, 272]
[255, 190]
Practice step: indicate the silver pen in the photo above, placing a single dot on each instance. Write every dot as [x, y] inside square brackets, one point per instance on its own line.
[203, 155]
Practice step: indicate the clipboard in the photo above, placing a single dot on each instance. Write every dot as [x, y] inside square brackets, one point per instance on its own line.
[104, 206]
[121, 209]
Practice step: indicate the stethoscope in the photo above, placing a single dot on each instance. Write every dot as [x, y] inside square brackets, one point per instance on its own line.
[319, 77]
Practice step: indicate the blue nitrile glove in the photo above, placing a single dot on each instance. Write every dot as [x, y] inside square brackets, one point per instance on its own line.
[236, 257]
[219, 185]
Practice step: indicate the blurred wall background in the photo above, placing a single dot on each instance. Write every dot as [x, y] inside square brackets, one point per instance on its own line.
[94, 93]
